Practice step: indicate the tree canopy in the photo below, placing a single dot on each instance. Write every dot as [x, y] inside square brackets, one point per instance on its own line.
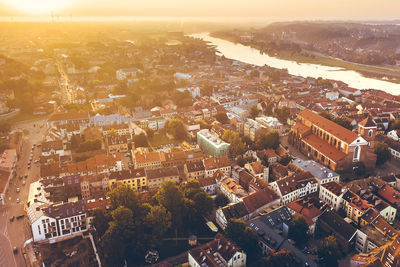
[268, 140]
[280, 258]
[382, 152]
[243, 236]
[133, 227]
[329, 252]
[176, 128]
[222, 117]
[237, 146]
[298, 230]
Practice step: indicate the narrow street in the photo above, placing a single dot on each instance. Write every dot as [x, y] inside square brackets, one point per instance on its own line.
[15, 233]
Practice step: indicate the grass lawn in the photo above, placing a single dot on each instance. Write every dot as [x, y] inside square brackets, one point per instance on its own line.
[160, 139]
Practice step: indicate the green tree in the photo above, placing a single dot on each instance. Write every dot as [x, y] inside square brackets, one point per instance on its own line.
[237, 146]
[298, 230]
[280, 258]
[394, 124]
[140, 140]
[254, 74]
[359, 169]
[253, 112]
[221, 200]
[244, 237]
[329, 252]
[283, 114]
[222, 117]
[123, 195]
[100, 221]
[198, 202]
[171, 197]
[176, 128]
[157, 222]
[285, 160]
[117, 239]
[240, 161]
[268, 140]
[149, 132]
[206, 89]
[382, 152]
[203, 124]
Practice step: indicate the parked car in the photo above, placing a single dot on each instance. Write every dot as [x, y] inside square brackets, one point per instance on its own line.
[18, 189]
[18, 200]
[12, 218]
[15, 250]
[23, 182]
[20, 216]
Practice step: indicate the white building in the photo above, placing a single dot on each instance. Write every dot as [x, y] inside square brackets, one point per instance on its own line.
[394, 134]
[123, 74]
[212, 144]
[218, 252]
[296, 186]
[57, 221]
[331, 193]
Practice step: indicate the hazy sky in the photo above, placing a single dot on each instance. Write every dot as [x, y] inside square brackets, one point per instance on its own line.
[351, 9]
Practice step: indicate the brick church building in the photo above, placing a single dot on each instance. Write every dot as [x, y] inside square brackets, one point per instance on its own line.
[333, 145]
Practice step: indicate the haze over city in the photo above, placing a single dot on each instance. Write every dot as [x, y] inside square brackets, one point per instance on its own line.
[199, 133]
[285, 9]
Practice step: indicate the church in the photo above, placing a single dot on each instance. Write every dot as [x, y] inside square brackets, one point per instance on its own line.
[333, 145]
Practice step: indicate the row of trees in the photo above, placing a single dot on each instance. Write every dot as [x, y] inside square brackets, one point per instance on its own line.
[80, 146]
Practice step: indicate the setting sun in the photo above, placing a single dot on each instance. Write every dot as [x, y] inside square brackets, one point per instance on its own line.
[38, 6]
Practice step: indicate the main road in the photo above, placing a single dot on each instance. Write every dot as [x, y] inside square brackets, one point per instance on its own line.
[15, 233]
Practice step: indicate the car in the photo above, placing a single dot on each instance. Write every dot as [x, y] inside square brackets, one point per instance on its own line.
[20, 216]
[15, 250]
[18, 189]
[127, 154]
[23, 182]
[26, 176]
[37, 161]
[18, 200]
[12, 218]
[20, 177]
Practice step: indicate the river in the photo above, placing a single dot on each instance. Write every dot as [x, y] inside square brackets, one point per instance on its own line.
[253, 56]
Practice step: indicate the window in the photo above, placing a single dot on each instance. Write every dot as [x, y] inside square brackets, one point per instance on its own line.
[356, 155]
[370, 132]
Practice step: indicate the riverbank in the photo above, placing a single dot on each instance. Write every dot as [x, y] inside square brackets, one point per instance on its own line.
[384, 73]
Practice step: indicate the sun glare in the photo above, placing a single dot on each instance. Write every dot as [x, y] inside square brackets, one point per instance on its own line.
[38, 6]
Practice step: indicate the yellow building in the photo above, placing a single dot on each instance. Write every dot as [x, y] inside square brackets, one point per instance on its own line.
[135, 178]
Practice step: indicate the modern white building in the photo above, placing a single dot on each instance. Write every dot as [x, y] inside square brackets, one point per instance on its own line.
[54, 222]
[212, 144]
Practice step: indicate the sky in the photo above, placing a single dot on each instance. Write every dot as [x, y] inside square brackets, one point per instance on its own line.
[290, 9]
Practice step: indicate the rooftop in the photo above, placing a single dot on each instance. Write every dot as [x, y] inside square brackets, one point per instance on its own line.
[334, 129]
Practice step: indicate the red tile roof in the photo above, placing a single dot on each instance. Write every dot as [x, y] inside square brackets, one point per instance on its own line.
[324, 148]
[389, 194]
[334, 129]
[367, 122]
[259, 199]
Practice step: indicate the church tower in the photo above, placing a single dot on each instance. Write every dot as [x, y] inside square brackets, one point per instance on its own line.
[367, 129]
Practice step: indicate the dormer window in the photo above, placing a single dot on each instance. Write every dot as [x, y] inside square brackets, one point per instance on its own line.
[370, 132]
